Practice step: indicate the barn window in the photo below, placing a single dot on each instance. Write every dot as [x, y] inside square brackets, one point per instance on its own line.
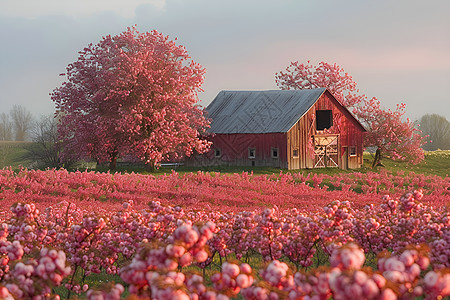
[217, 152]
[274, 152]
[251, 152]
[295, 153]
[324, 119]
[352, 151]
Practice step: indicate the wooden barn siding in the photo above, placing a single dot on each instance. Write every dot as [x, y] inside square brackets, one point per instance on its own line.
[298, 139]
[234, 149]
[300, 134]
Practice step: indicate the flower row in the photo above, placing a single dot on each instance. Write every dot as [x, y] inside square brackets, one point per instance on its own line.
[227, 192]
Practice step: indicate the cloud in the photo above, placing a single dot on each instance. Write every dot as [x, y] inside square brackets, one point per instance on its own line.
[35, 9]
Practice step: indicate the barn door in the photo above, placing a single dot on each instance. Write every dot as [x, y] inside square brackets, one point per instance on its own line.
[345, 158]
[326, 151]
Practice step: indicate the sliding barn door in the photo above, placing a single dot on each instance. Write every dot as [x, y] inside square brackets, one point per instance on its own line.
[326, 151]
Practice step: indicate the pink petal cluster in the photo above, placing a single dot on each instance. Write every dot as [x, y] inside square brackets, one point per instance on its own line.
[35, 278]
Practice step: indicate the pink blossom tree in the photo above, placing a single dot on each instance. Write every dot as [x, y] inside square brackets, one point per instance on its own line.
[392, 136]
[133, 94]
[389, 133]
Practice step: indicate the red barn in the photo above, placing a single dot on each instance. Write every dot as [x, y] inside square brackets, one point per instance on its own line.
[290, 129]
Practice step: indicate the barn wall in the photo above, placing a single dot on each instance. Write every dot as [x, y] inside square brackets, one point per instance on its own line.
[234, 149]
[298, 138]
[350, 135]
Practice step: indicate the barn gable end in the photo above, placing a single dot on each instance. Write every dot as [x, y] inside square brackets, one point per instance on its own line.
[344, 138]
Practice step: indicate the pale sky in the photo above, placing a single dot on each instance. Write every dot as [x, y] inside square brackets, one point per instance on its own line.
[397, 51]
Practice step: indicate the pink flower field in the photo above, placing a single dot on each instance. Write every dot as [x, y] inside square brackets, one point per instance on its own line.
[223, 236]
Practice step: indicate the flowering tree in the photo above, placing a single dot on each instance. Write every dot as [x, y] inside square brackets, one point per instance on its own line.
[387, 131]
[306, 76]
[391, 135]
[132, 94]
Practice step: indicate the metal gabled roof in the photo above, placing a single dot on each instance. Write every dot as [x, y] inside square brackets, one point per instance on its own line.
[260, 111]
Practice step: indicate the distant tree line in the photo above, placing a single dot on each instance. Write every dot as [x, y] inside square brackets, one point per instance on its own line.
[44, 149]
[436, 128]
[17, 125]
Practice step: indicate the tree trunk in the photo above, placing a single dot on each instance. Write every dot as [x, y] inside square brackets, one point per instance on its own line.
[150, 166]
[377, 158]
[113, 161]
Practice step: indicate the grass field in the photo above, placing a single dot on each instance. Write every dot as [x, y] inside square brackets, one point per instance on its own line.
[435, 163]
[11, 154]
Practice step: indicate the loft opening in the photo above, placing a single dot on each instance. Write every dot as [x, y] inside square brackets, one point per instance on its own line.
[324, 119]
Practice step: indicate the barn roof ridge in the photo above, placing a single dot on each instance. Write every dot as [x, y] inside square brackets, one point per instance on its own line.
[273, 90]
[260, 111]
